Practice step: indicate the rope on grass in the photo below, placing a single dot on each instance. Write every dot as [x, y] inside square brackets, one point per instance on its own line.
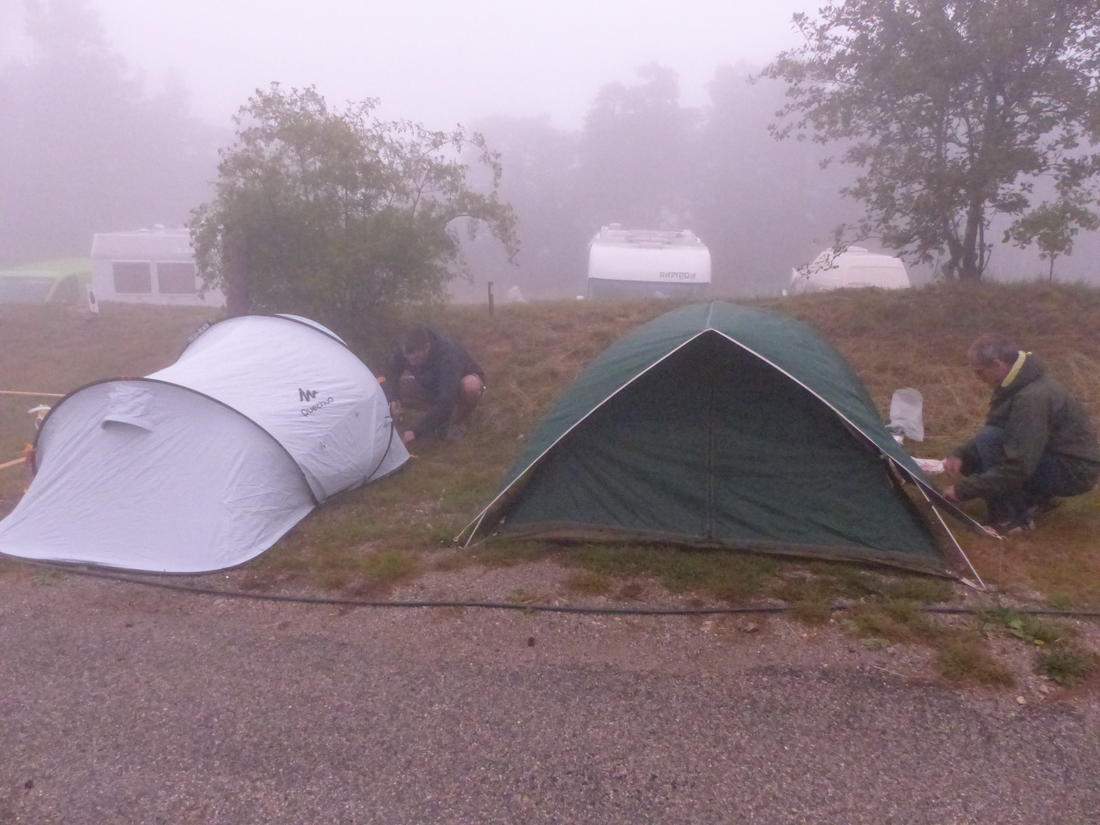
[37, 394]
[530, 608]
[13, 462]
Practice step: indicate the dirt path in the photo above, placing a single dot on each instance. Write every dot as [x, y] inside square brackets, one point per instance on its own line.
[120, 704]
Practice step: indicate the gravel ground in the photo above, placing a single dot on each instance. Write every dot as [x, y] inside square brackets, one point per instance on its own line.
[124, 704]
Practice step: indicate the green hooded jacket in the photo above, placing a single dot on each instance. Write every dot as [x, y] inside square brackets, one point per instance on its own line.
[1038, 415]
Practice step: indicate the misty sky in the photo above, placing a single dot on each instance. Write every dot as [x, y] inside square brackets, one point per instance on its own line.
[435, 61]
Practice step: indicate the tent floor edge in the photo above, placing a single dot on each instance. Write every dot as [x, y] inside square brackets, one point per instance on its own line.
[580, 534]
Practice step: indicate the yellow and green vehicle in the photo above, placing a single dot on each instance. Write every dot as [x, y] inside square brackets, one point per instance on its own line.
[55, 281]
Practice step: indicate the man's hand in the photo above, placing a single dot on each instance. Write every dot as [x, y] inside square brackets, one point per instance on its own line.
[395, 409]
[949, 494]
[408, 436]
[952, 465]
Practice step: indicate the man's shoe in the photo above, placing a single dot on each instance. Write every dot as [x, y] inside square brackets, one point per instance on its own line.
[1022, 524]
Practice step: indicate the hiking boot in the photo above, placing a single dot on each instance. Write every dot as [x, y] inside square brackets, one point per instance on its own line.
[1009, 527]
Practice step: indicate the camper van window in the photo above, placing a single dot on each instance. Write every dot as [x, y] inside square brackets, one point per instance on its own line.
[176, 279]
[132, 277]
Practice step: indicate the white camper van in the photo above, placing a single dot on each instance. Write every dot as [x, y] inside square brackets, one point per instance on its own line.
[647, 263]
[851, 268]
[148, 266]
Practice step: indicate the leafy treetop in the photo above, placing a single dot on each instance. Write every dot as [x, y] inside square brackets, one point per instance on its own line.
[338, 215]
[952, 111]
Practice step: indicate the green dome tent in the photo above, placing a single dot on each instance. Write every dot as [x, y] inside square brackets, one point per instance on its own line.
[723, 426]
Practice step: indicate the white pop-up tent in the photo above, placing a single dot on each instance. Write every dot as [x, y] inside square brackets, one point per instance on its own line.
[207, 463]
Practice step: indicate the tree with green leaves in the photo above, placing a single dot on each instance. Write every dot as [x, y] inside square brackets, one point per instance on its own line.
[952, 112]
[1052, 227]
[339, 215]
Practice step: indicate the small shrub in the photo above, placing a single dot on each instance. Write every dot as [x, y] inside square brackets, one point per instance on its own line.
[1066, 664]
[965, 658]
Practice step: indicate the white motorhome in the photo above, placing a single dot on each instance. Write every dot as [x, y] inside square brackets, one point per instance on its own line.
[148, 266]
[850, 268]
[647, 263]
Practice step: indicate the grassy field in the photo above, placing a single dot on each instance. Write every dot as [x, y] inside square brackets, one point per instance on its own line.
[366, 541]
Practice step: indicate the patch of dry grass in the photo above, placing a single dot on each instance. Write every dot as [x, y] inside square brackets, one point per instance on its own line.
[963, 657]
[729, 577]
[1067, 664]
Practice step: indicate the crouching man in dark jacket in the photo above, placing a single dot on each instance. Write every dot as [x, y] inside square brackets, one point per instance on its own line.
[1038, 441]
[442, 377]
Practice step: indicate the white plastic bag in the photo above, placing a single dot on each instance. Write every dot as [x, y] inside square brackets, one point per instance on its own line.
[907, 414]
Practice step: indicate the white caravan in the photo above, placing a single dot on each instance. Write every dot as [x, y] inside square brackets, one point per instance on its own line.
[852, 268]
[647, 263]
[148, 266]
[206, 463]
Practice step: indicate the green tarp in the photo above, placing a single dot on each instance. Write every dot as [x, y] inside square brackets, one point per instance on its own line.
[720, 425]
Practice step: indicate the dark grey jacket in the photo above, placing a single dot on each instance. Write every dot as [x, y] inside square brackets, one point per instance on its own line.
[440, 376]
[1039, 416]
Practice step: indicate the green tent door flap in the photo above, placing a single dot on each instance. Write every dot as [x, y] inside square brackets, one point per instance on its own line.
[718, 425]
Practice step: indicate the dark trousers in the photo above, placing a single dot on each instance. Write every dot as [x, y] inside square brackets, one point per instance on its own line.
[1055, 476]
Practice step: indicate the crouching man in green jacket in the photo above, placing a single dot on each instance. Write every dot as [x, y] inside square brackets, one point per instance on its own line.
[1038, 441]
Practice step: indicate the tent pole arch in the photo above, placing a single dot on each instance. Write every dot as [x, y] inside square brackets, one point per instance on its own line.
[209, 325]
[157, 381]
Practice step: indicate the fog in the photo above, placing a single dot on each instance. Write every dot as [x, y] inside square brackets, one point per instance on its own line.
[119, 108]
[439, 62]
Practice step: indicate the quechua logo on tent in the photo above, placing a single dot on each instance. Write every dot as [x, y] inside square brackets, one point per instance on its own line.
[309, 395]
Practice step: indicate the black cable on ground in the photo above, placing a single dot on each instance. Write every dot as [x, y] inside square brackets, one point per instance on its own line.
[531, 608]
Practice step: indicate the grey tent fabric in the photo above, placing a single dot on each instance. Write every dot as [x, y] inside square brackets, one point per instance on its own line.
[208, 462]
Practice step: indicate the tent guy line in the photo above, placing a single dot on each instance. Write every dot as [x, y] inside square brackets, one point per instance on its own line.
[35, 394]
[531, 608]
